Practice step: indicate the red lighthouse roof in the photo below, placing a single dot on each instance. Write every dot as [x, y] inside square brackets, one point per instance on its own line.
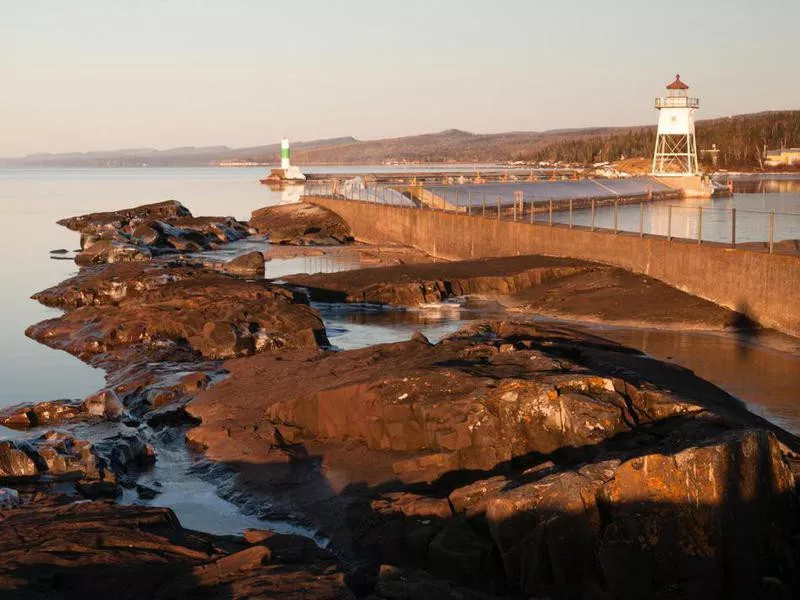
[677, 84]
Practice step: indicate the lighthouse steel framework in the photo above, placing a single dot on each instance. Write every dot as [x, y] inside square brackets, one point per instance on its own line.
[676, 147]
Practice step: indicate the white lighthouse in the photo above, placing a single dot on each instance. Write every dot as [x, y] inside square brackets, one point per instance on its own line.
[287, 172]
[676, 148]
[286, 154]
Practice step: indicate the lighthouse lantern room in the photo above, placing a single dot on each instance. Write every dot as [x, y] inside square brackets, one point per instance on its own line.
[676, 148]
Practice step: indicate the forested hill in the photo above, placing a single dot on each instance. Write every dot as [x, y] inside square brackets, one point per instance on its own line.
[740, 140]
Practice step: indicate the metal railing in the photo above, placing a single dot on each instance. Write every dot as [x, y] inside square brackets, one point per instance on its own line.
[677, 102]
[772, 231]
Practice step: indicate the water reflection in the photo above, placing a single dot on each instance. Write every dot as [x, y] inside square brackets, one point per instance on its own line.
[762, 376]
[682, 218]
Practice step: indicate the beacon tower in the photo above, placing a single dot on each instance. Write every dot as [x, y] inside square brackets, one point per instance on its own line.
[675, 154]
[286, 154]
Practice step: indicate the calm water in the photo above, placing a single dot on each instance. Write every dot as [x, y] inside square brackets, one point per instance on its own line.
[682, 218]
[32, 200]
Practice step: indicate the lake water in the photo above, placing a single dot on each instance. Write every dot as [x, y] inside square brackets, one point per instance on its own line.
[763, 372]
[712, 218]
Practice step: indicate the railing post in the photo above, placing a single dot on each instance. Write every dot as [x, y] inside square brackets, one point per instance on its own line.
[699, 224]
[515, 209]
[531, 209]
[733, 228]
[550, 213]
[641, 219]
[771, 231]
[570, 213]
[498, 207]
[593, 214]
[483, 204]
[669, 223]
[616, 216]
[469, 202]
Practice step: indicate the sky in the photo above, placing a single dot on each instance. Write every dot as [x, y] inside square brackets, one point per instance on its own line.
[108, 74]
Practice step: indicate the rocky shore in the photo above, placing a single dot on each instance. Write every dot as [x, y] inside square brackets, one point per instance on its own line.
[561, 288]
[509, 460]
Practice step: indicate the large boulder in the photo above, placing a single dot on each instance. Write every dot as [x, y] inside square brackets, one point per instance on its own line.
[14, 462]
[701, 522]
[301, 224]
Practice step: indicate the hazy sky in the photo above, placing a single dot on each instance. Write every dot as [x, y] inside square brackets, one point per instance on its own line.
[105, 74]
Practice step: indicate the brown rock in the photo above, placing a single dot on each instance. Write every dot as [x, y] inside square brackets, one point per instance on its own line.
[301, 224]
[103, 404]
[250, 264]
[110, 251]
[102, 550]
[24, 416]
[117, 219]
[14, 462]
[214, 315]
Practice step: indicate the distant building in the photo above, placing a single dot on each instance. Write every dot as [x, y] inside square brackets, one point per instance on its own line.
[712, 153]
[783, 157]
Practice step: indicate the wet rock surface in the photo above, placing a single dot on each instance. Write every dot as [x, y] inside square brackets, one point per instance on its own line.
[100, 550]
[555, 287]
[97, 469]
[301, 224]
[202, 311]
[411, 285]
[516, 459]
[140, 233]
[509, 460]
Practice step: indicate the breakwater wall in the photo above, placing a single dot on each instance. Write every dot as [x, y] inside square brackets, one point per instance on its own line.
[765, 287]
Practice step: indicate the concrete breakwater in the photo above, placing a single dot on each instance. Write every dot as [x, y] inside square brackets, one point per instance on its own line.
[764, 287]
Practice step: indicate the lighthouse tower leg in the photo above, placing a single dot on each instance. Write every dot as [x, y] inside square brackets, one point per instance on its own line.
[675, 154]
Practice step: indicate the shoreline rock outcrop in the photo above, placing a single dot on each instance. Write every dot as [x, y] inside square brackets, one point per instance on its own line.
[553, 287]
[101, 550]
[509, 460]
[514, 458]
[301, 224]
[143, 232]
[212, 315]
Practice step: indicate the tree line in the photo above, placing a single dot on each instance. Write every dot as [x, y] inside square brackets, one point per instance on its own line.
[741, 141]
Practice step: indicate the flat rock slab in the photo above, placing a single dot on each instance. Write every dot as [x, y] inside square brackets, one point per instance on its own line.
[413, 284]
[624, 298]
[100, 550]
[554, 287]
